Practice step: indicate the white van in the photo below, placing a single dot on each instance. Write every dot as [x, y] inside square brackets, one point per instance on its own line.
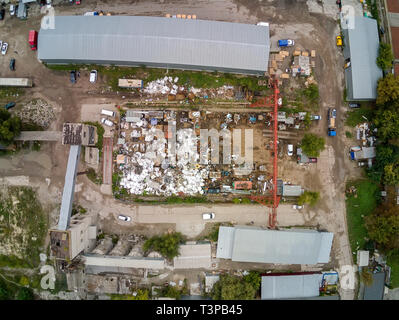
[93, 76]
[108, 113]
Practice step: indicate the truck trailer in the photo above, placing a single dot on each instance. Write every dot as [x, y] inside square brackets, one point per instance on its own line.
[15, 82]
[332, 115]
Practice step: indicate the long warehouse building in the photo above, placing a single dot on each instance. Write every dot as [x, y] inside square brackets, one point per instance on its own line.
[156, 42]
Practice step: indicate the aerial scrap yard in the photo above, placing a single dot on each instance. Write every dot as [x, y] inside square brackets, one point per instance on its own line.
[202, 135]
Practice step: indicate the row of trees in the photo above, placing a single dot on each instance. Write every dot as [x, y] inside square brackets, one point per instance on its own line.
[383, 224]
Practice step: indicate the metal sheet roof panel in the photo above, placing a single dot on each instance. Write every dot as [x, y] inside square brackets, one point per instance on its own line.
[145, 40]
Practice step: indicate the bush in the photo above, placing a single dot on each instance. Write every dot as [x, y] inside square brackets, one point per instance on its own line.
[385, 56]
[233, 288]
[25, 294]
[308, 197]
[312, 145]
[167, 245]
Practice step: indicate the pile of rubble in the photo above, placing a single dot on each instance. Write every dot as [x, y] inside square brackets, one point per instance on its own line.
[169, 86]
[38, 112]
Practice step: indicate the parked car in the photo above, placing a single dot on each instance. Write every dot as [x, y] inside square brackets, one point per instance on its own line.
[2, 14]
[12, 64]
[4, 48]
[9, 105]
[77, 1]
[124, 218]
[361, 163]
[290, 149]
[91, 13]
[354, 105]
[93, 76]
[73, 76]
[313, 160]
[315, 117]
[107, 122]
[297, 207]
[286, 43]
[339, 41]
[208, 216]
[12, 10]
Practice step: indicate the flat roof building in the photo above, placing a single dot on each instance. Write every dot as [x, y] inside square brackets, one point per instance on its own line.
[193, 256]
[156, 42]
[361, 45]
[294, 246]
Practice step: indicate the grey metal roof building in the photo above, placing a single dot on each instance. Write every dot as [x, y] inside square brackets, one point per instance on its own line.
[290, 286]
[156, 42]
[294, 246]
[376, 290]
[361, 49]
[69, 187]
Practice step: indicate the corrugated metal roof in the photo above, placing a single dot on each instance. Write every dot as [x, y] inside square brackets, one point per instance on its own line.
[290, 286]
[295, 246]
[156, 41]
[123, 261]
[292, 190]
[361, 46]
[224, 248]
[376, 290]
[69, 187]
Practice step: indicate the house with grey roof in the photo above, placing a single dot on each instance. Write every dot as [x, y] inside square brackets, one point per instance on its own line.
[290, 286]
[361, 45]
[156, 42]
[293, 246]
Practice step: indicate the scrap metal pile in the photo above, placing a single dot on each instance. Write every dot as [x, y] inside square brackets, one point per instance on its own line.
[151, 165]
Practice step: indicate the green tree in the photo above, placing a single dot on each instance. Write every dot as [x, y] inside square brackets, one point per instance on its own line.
[387, 122]
[254, 279]
[308, 197]
[232, 288]
[387, 89]
[385, 56]
[167, 245]
[391, 173]
[10, 127]
[25, 294]
[385, 155]
[383, 226]
[312, 145]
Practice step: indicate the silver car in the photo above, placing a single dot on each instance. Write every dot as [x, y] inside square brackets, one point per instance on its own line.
[4, 48]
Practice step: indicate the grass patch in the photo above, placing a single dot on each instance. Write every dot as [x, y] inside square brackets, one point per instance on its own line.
[92, 175]
[356, 116]
[364, 204]
[189, 78]
[348, 134]
[23, 226]
[393, 262]
[8, 94]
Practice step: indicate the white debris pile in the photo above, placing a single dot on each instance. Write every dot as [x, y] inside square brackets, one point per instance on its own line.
[150, 172]
[163, 86]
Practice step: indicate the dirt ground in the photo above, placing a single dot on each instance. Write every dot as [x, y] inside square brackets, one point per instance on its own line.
[287, 18]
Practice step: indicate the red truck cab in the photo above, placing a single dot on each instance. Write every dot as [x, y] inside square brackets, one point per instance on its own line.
[33, 39]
